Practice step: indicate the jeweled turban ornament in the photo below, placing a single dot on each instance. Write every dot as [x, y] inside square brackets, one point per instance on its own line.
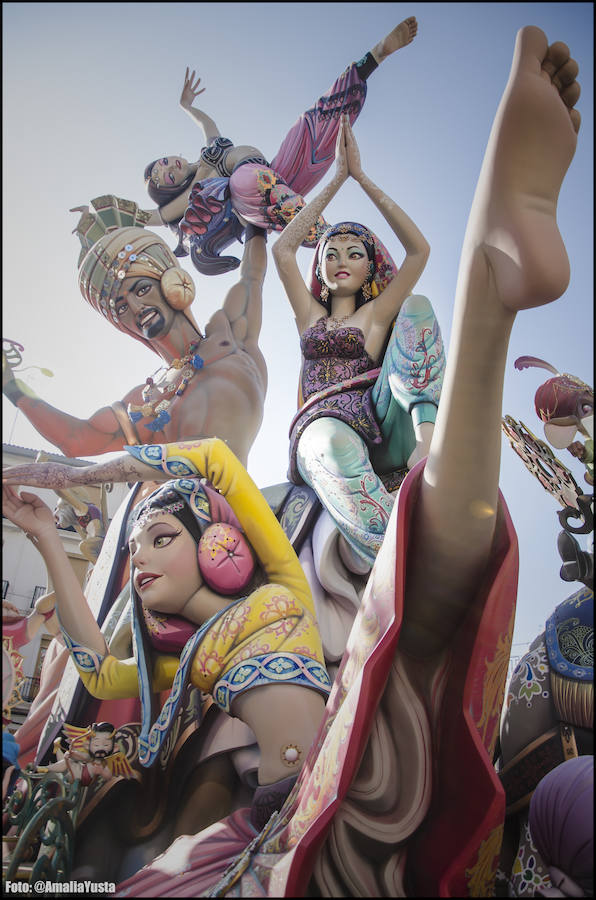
[115, 245]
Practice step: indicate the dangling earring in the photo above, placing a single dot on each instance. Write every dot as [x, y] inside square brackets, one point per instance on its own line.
[366, 289]
[324, 287]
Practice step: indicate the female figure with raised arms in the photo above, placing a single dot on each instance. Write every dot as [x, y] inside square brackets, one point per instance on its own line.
[358, 422]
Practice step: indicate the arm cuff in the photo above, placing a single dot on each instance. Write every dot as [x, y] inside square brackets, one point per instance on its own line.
[87, 661]
[423, 412]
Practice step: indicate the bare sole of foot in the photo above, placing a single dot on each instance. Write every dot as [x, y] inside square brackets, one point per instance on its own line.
[402, 35]
[530, 148]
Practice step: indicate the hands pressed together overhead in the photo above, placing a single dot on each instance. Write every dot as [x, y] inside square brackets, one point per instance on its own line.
[347, 154]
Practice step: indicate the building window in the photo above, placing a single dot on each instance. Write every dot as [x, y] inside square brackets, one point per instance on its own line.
[39, 591]
[4, 588]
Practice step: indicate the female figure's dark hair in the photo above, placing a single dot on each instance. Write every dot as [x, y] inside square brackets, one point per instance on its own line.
[164, 194]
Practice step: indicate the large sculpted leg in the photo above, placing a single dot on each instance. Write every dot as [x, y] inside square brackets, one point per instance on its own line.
[513, 258]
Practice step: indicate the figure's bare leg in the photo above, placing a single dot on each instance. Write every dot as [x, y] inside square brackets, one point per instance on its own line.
[402, 34]
[512, 258]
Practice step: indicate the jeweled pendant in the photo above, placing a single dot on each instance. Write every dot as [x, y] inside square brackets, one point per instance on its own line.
[158, 424]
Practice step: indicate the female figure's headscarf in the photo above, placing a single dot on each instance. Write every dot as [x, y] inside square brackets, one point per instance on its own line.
[115, 245]
[383, 269]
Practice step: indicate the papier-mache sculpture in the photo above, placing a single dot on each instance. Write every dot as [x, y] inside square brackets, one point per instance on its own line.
[414, 711]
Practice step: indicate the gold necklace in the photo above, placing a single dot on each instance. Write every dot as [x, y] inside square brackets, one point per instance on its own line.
[335, 321]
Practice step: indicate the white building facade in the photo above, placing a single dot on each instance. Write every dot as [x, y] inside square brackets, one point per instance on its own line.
[24, 575]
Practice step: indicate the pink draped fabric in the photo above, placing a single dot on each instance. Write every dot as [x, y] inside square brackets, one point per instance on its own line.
[308, 150]
[271, 196]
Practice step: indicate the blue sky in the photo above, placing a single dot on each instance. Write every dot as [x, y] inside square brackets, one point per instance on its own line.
[90, 95]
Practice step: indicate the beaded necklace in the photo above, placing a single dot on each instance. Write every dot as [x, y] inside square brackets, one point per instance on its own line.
[167, 388]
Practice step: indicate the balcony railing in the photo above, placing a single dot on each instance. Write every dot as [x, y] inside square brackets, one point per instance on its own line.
[28, 688]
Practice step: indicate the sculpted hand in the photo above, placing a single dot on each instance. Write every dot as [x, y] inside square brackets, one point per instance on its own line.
[7, 376]
[9, 609]
[45, 603]
[28, 511]
[190, 91]
[352, 153]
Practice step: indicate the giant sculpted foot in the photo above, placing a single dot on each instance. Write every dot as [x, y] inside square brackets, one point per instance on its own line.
[530, 148]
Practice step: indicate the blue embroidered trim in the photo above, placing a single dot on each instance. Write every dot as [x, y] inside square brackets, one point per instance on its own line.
[574, 613]
[154, 455]
[86, 660]
[270, 668]
[152, 737]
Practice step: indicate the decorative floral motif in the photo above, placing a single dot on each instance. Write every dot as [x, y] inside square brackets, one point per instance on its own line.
[570, 637]
[530, 676]
[378, 522]
[576, 642]
[528, 873]
[421, 371]
[86, 660]
[280, 606]
[542, 463]
[279, 204]
[277, 667]
[494, 687]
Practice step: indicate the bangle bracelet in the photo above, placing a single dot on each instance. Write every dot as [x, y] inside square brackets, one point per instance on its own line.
[254, 231]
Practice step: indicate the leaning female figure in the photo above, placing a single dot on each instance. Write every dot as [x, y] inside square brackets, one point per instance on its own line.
[219, 600]
[208, 202]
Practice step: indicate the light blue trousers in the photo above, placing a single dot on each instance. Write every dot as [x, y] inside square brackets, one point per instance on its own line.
[335, 461]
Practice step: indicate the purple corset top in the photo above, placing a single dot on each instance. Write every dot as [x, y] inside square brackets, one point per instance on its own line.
[341, 343]
[331, 357]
